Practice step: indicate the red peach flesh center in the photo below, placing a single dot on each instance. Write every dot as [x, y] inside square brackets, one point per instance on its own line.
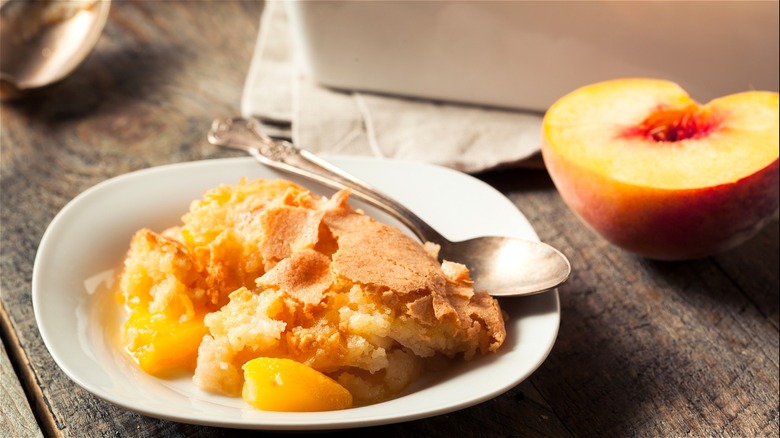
[675, 124]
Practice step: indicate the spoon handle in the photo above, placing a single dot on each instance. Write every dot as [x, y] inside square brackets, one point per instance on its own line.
[247, 135]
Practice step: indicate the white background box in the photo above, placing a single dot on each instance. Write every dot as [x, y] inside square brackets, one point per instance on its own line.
[526, 54]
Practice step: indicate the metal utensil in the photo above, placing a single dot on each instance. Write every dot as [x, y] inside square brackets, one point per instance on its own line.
[41, 42]
[503, 266]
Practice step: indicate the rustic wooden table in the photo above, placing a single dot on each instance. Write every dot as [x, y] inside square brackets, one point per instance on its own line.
[645, 348]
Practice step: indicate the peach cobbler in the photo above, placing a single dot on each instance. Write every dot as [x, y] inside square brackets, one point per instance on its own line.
[297, 302]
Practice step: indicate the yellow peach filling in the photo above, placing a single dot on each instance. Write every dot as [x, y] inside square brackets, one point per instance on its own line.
[162, 345]
[275, 384]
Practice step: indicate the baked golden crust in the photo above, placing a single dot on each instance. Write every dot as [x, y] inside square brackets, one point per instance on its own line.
[288, 274]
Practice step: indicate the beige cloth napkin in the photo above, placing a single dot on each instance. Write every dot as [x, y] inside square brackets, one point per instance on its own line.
[463, 137]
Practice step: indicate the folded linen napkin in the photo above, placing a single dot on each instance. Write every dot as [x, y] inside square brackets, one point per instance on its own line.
[464, 137]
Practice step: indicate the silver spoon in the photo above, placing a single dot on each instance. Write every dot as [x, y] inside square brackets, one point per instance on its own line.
[41, 42]
[503, 266]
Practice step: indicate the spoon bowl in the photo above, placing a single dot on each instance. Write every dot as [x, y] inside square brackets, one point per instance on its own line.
[502, 266]
[506, 266]
[41, 42]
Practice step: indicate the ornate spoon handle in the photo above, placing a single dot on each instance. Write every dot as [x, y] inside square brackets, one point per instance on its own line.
[247, 135]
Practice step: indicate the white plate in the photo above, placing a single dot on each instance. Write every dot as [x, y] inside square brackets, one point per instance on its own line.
[78, 316]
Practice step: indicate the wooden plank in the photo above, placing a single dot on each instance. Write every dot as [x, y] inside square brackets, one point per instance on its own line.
[16, 416]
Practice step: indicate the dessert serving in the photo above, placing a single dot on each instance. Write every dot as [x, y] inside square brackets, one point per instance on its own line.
[297, 302]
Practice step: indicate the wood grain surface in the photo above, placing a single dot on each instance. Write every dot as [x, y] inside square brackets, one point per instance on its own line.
[645, 348]
[16, 416]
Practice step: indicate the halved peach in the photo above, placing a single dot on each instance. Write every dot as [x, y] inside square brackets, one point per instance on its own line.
[660, 175]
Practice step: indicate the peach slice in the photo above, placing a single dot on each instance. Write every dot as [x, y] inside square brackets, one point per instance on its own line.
[660, 175]
[276, 384]
[160, 345]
